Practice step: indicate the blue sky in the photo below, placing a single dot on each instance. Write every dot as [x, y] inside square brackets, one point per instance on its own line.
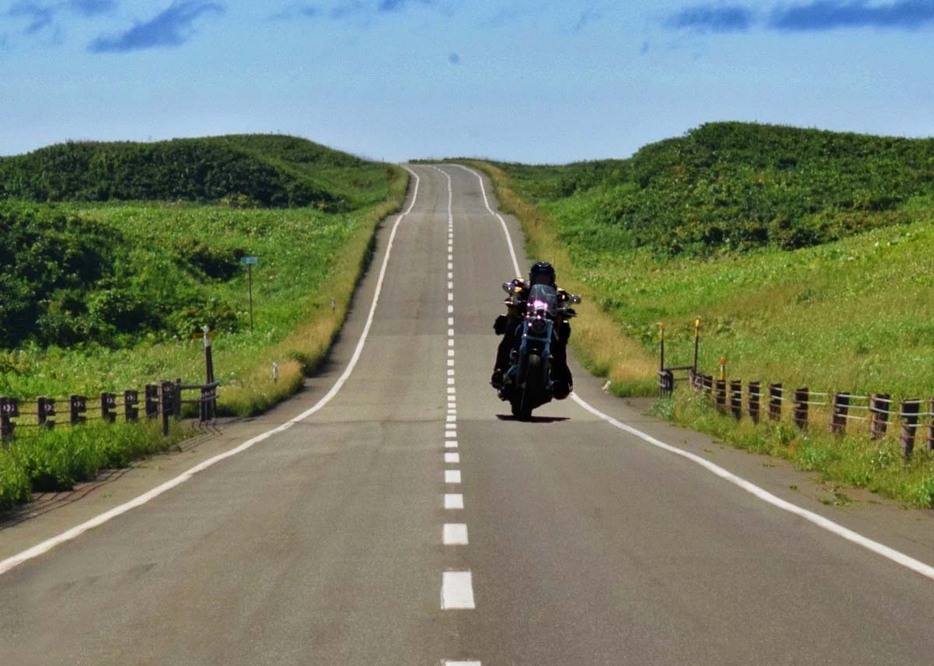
[518, 80]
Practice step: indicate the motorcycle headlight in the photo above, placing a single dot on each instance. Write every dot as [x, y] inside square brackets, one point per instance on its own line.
[538, 326]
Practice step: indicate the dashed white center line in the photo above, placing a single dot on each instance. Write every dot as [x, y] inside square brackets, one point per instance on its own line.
[457, 590]
[454, 534]
[456, 586]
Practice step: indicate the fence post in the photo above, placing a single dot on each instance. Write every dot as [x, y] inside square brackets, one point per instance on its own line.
[209, 368]
[666, 383]
[45, 412]
[720, 394]
[841, 407]
[696, 343]
[736, 399]
[878, 414]
[208, 397]
[931, 426]
[9, 407]
[167, 402]
[177, 399]
[755, 400]
[77, 406]
[131, 405]
[151, 397]
[909, 412]
[775, 402]
[108, 405]
[800, 413]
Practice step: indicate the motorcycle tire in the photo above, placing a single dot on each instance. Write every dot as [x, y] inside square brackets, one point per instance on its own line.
[531, 387]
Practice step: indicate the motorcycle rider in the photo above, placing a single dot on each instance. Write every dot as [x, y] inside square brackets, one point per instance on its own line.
[507, 325]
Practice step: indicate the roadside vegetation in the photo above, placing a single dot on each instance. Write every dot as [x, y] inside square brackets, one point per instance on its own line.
[806, 254]
[108, 277]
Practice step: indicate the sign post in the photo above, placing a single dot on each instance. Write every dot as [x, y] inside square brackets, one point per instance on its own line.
[248, 262]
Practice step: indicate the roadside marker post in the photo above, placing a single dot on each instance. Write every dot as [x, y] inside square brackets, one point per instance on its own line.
[249, 262]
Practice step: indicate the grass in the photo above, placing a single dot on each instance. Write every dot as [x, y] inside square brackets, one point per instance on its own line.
[309, 265]
[853, 459]
[58, 459]
[852, 316]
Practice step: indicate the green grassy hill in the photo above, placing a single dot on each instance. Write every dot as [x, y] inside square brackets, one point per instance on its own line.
[109, 243]
[114, 255]
[238, 170]
[735, 187]
[807, 254]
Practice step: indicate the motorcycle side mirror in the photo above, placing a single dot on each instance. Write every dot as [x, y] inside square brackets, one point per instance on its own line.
[507, 287]
[575, 298]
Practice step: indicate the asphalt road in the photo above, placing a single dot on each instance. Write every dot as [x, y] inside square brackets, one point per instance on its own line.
[400, 516]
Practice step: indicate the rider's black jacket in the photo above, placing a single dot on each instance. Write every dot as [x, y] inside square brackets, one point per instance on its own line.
[507, 325]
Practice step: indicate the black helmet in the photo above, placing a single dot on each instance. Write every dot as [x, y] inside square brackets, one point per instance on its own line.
[542, 273]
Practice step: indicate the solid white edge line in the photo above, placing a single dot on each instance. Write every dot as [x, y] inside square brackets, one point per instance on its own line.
[764, 495]
[825, 523]
[73, 533]
[486, 202]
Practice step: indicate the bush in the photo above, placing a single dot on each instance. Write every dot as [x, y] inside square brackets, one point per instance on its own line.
[735, 187]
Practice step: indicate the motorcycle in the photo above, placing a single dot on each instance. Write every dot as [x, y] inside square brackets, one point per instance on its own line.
[528, 382]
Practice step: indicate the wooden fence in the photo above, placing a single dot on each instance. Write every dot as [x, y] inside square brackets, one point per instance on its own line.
[913, 417]
[165, 400]
[838, 412]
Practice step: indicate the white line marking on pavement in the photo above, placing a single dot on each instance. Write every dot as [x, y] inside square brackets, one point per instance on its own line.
[452, 476]
[764, 495]
[456, 590]
[453, 501]
[463, 663]
[824, 523]
[454, 534]
[99, 520]
[452, 458]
